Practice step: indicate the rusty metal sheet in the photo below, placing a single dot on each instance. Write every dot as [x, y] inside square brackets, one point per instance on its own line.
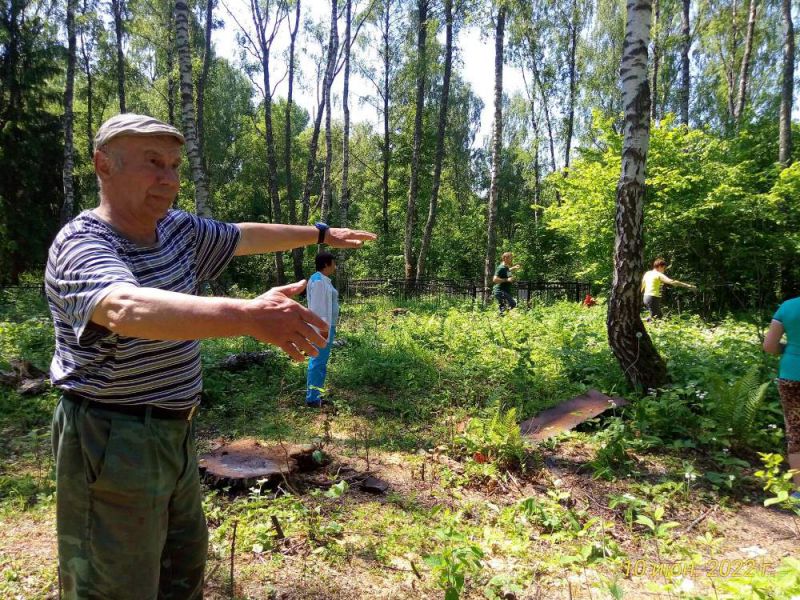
[568, 415]
[248, 458]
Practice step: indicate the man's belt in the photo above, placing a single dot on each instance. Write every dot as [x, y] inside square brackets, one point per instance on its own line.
[136, 410]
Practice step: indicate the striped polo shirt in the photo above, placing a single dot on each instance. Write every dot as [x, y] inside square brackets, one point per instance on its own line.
[87, 260]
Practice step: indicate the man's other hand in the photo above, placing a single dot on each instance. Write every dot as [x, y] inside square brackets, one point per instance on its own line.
[340, 237]
[279, 320]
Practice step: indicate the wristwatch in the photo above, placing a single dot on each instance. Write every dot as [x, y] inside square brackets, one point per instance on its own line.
[323, 230]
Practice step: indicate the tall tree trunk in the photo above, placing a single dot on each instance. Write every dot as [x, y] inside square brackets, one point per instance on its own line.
[326, 179]
[419, 105]
[537, 189]
[545, 106]
[344, 199]
[787, 87]
[789, 270]
[202, 82]
[170, 52]
[730, 66]
[87, 69]
[656, 57]
[497, 147]
[260, 21]
[686, 44]
[387, 149]
[627, 336]
[573, 80]
[297, 253]
[69, 194]
[744, 73]
[330, 70]
[117, 8]
[440, 138]
[193, 151]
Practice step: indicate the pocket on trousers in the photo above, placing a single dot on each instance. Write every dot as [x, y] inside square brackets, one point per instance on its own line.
[95, 435]
[128, 472]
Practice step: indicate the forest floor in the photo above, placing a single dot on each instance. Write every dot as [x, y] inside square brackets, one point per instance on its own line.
[634, 504]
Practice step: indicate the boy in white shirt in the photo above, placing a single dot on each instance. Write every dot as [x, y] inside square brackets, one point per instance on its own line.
[323, 301]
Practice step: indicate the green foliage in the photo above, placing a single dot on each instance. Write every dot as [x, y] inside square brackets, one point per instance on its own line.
[711, 211]
[550, 514]
[777, 483]
[494, 437]
[655, 524]
[458, 558]
[614, 456]
[734, 406]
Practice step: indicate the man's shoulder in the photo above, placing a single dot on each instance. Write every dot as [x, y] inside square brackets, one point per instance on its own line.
[84, 227]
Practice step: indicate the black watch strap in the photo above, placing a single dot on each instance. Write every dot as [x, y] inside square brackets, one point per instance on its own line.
[323, 230]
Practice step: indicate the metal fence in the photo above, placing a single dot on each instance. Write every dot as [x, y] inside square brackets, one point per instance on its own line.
[429, 289]
[436, 290]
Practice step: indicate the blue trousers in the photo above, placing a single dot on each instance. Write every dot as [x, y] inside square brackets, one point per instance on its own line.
[318, 369]
[505, 300]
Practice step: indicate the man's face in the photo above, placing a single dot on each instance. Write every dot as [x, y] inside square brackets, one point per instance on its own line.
[330, 269]
[140, 175]
[508, 259]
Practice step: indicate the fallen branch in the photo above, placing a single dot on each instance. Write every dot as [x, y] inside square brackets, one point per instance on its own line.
[694, 523]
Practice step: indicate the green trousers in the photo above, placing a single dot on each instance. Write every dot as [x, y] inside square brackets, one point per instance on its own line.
[128, 506]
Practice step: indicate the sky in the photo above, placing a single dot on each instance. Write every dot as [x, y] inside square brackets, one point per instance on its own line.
[476, 54]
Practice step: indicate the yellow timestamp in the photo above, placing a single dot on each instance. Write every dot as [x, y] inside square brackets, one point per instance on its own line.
[725, 567]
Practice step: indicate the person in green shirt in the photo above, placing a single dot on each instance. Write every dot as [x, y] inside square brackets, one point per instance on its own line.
[651, 286]
[787, 321]
[503, 278]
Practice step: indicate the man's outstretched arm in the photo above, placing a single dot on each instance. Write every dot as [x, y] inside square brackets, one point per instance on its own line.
[155, 314]
[260, 238]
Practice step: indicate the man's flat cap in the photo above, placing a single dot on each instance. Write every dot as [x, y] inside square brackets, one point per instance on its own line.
[133, 124]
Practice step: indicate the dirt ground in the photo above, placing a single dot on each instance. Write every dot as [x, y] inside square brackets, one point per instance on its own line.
[744, 532]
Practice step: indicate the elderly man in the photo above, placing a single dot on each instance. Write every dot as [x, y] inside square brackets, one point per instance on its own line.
[121, 282]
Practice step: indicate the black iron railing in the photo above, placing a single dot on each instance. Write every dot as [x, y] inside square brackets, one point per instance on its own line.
[436, 289]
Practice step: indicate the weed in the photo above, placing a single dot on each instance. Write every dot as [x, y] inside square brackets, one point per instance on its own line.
[458, 558]
[734, 406]
[493, 438]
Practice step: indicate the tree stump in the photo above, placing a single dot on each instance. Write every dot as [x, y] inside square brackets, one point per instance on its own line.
[248, 462]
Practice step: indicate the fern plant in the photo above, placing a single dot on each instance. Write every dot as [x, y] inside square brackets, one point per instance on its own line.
[494, 438]
[734, 406]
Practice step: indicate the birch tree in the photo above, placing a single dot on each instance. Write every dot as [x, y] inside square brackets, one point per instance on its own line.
[344, 195]
[69, 154]
[419, 106]
[118, 11]
[326, 177]
[297, 253]
[497, 146]
[745, 66]
[686, 45]
[787, 87]
[627, 336]
[330, 70]
[440, 138]
[193, 150]
[202, 81]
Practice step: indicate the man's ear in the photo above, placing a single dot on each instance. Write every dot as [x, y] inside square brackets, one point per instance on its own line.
[103, 164]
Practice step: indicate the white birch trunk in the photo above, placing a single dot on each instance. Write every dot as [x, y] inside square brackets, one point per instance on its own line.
[201, 198]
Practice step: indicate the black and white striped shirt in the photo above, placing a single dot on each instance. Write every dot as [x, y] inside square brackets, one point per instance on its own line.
[87, 260]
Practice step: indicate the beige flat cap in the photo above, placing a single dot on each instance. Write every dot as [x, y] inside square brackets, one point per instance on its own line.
[133, 124]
